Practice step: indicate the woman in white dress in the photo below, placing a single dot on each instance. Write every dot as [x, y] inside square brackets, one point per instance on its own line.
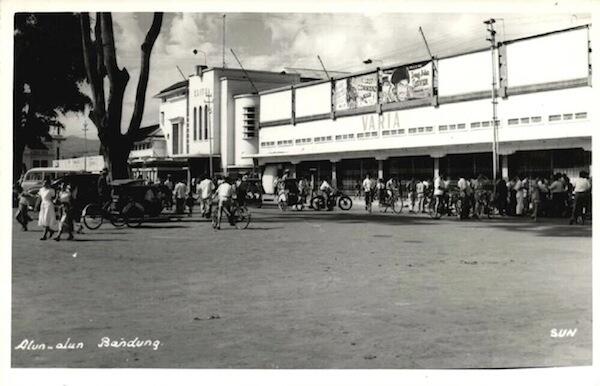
[47, 218]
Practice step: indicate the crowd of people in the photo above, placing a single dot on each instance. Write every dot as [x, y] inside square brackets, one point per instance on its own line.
[552, 196]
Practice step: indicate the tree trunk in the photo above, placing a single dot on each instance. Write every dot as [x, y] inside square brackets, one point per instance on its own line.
[116, 155]
[18, 150]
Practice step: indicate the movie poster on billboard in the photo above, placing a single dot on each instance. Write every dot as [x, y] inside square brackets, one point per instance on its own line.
[358, 91]
[404, 83]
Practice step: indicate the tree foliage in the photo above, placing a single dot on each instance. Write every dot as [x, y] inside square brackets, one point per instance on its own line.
[48, 68]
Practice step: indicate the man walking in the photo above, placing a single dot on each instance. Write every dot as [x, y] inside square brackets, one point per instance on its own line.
[205, 190]
[368, 188]
[180, 193]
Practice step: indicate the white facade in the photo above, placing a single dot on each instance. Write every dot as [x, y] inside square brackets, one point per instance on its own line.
[545, 102]
[200, 115]
[246, 129]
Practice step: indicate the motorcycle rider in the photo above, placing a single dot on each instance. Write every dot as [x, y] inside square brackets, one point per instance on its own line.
[326, 190]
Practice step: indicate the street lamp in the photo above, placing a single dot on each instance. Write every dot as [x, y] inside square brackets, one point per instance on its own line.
[195, 51]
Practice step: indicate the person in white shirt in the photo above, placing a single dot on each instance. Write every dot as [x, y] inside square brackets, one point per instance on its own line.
[582, 190]
[368, 188]
[420, 196]
[439, 188]
[180, 193]
[520, 196]
[224, 195]
[326, 189]
[205, 190]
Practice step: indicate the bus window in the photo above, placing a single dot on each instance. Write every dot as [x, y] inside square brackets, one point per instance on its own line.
[34, 176]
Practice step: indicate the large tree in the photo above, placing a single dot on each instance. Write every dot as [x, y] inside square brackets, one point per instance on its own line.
[48, 69]
[100, 60]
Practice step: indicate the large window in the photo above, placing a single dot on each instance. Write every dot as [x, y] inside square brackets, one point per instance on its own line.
[200, 123]
[195, 124]
[206, 123]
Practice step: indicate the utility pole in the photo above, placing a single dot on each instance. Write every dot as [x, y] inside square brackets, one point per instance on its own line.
[208, 101]
[492, 40]
[223, 48]
[85, 129]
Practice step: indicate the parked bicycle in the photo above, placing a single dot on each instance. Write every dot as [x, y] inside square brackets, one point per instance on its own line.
[93, 215]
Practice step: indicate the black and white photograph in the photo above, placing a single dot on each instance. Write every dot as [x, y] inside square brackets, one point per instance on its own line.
[280, 188]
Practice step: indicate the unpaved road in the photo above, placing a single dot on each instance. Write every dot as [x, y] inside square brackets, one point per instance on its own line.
[308, 290]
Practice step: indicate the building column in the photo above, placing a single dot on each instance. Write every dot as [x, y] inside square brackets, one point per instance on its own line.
[380, 166]
[504, 165]
[293, 169]
[334, 173]
[436, 163]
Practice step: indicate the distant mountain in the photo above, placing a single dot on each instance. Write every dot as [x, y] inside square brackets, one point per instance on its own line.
[73, 147]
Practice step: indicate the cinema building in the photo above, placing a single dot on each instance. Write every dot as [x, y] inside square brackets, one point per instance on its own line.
[212, 118]
[421, 119]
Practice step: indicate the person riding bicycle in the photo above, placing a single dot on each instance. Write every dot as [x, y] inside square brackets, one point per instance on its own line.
[391, 187]
[368, 188]
[224, 195]
[327, 190]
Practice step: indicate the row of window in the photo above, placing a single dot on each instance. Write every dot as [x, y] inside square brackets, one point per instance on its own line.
[250, 122]
[200, 123]
[142, 146]
[430, 129]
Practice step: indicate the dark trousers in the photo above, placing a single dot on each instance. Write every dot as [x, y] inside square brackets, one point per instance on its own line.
[580, 202]
[179, 205]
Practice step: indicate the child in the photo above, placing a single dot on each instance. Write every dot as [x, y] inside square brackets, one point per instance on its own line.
[23, 212]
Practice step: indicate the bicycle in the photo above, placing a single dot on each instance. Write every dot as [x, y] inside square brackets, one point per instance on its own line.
[394, 202]
[238, 216]
[94, 214]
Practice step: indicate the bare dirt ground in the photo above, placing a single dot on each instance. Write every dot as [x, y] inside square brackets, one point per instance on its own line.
[308, 290]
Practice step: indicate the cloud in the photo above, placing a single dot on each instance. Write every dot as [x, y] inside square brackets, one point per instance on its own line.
[272, 41]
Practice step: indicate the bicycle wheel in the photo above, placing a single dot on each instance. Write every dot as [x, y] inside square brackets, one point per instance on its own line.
[433, 213]
[345, 203]
[92, 216]
[242, 218]
[317, 203]
[133, 215]
[117, 219]
[397, 205]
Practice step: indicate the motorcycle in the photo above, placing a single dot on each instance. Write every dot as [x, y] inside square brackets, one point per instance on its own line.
[343, 201]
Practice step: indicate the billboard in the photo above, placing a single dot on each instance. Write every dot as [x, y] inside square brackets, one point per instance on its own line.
[414, 81]
[357, 91]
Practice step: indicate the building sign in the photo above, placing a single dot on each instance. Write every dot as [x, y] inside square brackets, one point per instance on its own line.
[357, 91]
[404, 83]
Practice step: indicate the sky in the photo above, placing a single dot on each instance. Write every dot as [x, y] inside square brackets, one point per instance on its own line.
[272, 41]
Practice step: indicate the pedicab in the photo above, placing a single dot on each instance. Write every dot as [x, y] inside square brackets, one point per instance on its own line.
[137, 201]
